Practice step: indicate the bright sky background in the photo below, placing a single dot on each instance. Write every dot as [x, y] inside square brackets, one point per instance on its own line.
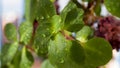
[12, 6]
[9, 9]
[12, 9]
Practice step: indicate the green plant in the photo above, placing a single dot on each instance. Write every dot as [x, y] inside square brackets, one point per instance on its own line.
[51, 36]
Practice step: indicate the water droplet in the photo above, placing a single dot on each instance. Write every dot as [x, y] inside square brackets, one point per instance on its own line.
[47, 29]
[62, 61]
[66, 49]
[43, 35]
[48, 16]
[73, 34]
[42, 17]
[59, 20]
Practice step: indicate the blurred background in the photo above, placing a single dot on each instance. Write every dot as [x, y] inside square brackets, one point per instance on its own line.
[12, 11]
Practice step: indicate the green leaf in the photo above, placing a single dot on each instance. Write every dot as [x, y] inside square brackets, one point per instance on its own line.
[65, 53]
[77, 53]
[42, 9]
[42, 37]
[55, 23]
[98, 52]
[26, 59]
[52, 1]
[74, 20]
[84, 34]
[46, 64]
[113, 7]
[67, 9]
[16, 59]
[27, 9]
[8, 52]
[11, 32]
[25, 31]
[72, 17]
[33, 9]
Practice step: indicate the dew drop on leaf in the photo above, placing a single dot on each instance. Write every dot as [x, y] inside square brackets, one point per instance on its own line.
[66, 49]
[43, 35]
[62, 61]
[42, 17]
[48, 16]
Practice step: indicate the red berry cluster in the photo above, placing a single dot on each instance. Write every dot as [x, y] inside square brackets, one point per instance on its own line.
[109, 28]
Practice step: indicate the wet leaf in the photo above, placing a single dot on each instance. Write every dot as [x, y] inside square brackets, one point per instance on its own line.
[41, 9]
[16, 59]
[74, 20]
[113, 7]
[55, 23]
[98, 52]
[25, 31]
[42, 37]
[65, 11]
[26, 59]
[27, 9]
[84, 34]
[65, 53]
[8, 52]
[11, 32]
[72, 17]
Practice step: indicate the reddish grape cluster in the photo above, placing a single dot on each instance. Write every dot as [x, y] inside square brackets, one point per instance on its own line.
[109, 28]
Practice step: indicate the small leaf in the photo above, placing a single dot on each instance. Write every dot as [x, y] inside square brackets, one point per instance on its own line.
[84, 34]
[77, 53]
[113, 7]
[67, 9]
[42, 9]
[11, 32]
[74, 20]
[72, 17]
[27, 9]
[46, 64]
[33, 9]
[98, 52]
[65, 53]
[56, 23]
[16, 59]
[42, 37]
[8, 52]
[25, 31]
[26, 59]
